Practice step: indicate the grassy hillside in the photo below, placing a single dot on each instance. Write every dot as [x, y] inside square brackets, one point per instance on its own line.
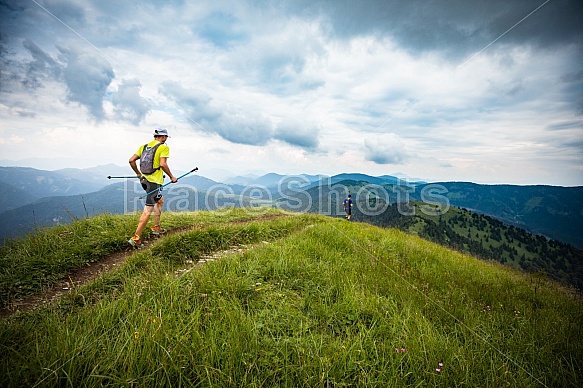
[487, 238]
[286, 300]
[468, 231]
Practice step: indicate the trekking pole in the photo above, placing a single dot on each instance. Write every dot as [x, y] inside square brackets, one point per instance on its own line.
[125, 177]
[166, 184]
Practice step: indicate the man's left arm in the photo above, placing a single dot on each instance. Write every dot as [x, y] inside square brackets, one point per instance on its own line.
[166, 169]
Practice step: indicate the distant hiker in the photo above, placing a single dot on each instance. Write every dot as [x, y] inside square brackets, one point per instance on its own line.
[348, 206]
[153, 164]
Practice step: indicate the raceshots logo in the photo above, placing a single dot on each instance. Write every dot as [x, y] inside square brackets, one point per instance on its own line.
[298, 194]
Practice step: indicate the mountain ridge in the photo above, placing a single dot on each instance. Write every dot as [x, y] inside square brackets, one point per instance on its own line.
[553, 211]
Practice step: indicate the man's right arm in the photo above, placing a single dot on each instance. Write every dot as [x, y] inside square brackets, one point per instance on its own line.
[134, 165]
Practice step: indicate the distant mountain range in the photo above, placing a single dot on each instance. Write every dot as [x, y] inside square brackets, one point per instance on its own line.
[555, 212]
[26, 185]
[38, 197]
[117, 198]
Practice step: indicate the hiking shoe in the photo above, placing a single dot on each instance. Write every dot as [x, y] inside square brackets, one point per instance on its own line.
[156, 230]
[136, 242]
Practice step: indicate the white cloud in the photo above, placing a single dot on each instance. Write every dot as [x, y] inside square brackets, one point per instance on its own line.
[14, 139]
[385, 149]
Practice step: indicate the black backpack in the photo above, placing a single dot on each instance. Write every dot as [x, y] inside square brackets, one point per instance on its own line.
[147, 159]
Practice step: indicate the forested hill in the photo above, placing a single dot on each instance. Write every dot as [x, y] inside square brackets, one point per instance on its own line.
[553, 211]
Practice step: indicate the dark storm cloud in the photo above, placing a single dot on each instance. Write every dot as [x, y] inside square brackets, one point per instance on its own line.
[85, 72]
[565, 125]
[41, 68]
[298, 134]
[23, 72]
[576, 145]
[237, 127]
[195, 103]
[244, 128]
[573, 88]
[10, 17]
[385, 149]
[68, 11]
[572, 77]
[87, 77]
[455, 27]
[128, 103]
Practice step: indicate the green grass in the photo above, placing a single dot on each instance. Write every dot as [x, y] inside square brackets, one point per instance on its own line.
[490, 239]
[40, 259]
[312, 301]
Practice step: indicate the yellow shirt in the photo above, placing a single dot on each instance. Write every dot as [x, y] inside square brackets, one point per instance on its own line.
[162, 152]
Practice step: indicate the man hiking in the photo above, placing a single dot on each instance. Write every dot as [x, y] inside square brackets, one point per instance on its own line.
[153, 164]
[348, 207]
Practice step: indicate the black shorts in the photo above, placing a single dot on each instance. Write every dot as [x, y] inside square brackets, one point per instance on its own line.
[148, 186]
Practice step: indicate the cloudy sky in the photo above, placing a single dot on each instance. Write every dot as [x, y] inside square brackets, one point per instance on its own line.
[489, 91]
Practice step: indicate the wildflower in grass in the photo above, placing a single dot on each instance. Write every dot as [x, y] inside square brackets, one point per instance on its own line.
[136, 334]
[397, 350]
[403, 350]
[440, 364]
[437, 370]
[203, 295]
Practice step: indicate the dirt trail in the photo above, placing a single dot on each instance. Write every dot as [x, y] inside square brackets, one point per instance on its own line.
[91, 271]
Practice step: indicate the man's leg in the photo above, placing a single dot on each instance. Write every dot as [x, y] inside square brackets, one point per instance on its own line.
[144, 218]
[154, 203]
[158, 211]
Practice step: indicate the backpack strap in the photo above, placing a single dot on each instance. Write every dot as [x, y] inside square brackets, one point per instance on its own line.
[154, 156]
